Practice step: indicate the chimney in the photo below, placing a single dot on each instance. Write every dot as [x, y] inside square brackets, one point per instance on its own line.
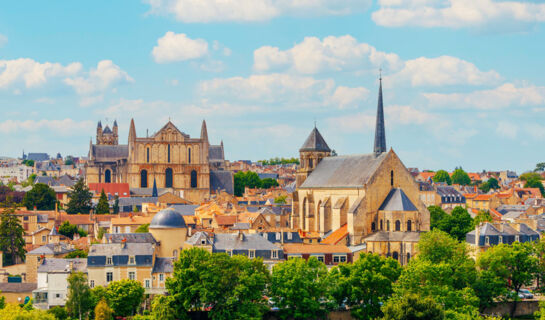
[189, 231]
[124, 243]
[240, 235]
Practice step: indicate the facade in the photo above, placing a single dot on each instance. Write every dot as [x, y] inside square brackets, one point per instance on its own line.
[169, 158]
[330, 255]
[369, 193]
[488, 234]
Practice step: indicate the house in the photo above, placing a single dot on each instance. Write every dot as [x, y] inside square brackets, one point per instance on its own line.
[128, 224]
[52, 286]
[488, 234]
[482, 202]
[17, 292]
[35, 257]
[329, 254]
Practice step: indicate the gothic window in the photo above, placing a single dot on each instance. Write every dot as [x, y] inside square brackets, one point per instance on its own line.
[392, 178]
[168, 153]
[143, 179]
[387, 225]
[168, 178]
[395, 255]
[107, 176]
[398, 225]
[409, 225]
[188, 155]
[193, 179]
[373, 226]
[408, 256]
[381, 226]
[147, 155]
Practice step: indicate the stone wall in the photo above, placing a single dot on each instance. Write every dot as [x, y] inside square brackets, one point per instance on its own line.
[524, 308]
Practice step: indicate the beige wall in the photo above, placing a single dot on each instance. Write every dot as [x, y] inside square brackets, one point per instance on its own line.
[171, 241]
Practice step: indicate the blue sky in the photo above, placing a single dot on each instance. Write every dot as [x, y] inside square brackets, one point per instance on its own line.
[463, 79]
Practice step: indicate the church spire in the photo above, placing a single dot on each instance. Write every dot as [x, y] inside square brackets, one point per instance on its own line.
[380, 132]
[132, 131]
[204, 132]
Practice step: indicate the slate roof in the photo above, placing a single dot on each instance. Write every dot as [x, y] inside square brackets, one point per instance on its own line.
[241, 226]
[215, 153]
[110, 153]
[198, 237]
[163, 265]
[136, 201]
[315, 142]
[231, 241]
[504, 208]
[38, 156]
[185, 209]
[63, 265]
[42, 218]
[148, 192]
[268, 175]
[45, 180]
[17, 287]
[397, 200]
[50, 249]
[116, 249]
[394, 236]
[222, 180]
[107, 130]
[352, 171]
[167, 218]
[130, 237]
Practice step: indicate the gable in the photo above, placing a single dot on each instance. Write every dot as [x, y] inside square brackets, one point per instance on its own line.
[169, 132]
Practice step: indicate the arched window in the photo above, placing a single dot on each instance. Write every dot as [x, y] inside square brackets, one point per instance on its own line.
[387, 225]
[381, 226]
[143, 179]
[193, 179]
[392, 178]
[395, 255]
[373, 226]
[188, 155]
[107, 176]
[409, 225]
[168, 178]
[168, 153]
[310, 163]
[147, 155]
[398, 225]
[408, 256]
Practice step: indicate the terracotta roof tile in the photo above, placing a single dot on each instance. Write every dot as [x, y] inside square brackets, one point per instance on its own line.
[314, 248]
[336, 236]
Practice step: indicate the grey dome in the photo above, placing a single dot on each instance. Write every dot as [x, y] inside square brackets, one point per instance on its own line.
[167, 218]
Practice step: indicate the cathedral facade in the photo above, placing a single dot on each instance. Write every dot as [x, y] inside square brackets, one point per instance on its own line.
[171, 159]
[373, 196]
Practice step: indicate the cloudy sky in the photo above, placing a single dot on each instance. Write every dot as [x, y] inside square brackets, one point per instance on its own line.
[463, 79]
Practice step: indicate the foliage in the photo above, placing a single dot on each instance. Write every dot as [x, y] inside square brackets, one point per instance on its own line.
[12, 242]
[103, 207]
[232, 287]
[80, 199]
[101, 232]
[7, 193]
[437, 214]
[251, 180]
[2, 301]
[59, 312]
[540, 314]
[69, 161]
[442, 176]
[530, 176]
[413, 307]
[492, 183]
[162, 309]
[68, 230]
[40, 196]
[15, 312]
[125, 296]
[79, 301]
[482, 216]
[143, 228]
[115, 207]
[298, 288]
[535, 183]
[539, 251]
[540, 167]
[268, 183]
[76, 254]
[364, 285]
[29, 181]
[28, 163]
[98, 293]
[281, 199]
[456, 224]
[459, 176]
[275, 161]
[103, 311]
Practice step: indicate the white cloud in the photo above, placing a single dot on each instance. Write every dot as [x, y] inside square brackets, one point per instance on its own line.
[504, 96]
[458, 13]
[97, 81]
[63, 126]
[334, 54]
[253, 10]
[507, 129]
[441, 71]
[174, 47]
[345, 97]
[3, 40]
[32, 73]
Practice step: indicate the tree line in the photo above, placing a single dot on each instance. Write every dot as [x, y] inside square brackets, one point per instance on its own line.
[251, 179]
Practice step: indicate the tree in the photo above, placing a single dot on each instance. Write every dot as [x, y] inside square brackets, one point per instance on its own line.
[530, 176]
[2, 301]
[59, 312]
[103, 311]
[281, 199]
[457, 224]
[413, 307]
[268, 183]
[68, 230]
[249, 179]
[76, 254]
[162, 309]
[442, 176]
[143, 228]
[459, 176]
[80, 199]
[540, 167]
[12, 242]
[298, 288]
[40, 196]
[535, 183]
[493, 183]
[103, 207]
[364, 285]
[15, 312]
[515, 265]
[437, 214]
[125, 296]
[79, 300]
[115, 207]
[28, 163]
[482, 216]
[6, 193]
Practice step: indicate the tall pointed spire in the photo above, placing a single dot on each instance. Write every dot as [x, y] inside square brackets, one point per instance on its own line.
[132, 131]
[204, 132]
[380, 132]
[154, 192]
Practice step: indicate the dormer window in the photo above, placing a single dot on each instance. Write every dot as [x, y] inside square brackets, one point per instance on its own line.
[517, 238]
[500, 239]
[278, 236]
[131, 260]
[486, 240]
[251, 254]
[109, 260]
[203, 241]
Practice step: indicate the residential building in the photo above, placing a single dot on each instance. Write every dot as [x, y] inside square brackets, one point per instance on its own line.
[329, 254]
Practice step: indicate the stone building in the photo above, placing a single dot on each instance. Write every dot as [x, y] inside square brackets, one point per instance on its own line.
[171, 158]
[373, 195]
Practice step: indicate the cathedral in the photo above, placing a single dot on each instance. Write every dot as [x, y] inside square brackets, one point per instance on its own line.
[190, 167]
[371, 197]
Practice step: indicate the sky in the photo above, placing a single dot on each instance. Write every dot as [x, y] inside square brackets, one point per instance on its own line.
[463, 80]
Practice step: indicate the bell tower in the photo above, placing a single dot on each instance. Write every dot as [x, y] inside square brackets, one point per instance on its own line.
[310, 154]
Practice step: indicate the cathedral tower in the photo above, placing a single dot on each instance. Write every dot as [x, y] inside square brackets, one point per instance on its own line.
[311, 153]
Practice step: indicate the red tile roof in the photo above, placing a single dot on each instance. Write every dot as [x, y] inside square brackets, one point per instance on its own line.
[120, 189]
[337, 236]
[314, 248]
[223, 220]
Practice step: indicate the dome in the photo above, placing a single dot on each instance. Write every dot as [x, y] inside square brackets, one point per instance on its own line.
[167, 218]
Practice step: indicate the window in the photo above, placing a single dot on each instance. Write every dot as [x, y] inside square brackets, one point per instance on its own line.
[398, 225]
[310, 163]
[175, 254]
[168, 178]
[168, 153]
[109, 276]
[188, 155]
[147, 282]
[131, 260]
[387, 225]
[92, 283]
[147, 155]
[336, 259]
[500, 239]
[251, 254]
[278, 236]
[392, 178]
[161, 277]
[25, 218]
[193, 179]
[107, 176]
[289, 235]
[108, 260]
[320, 258]
[229, 252]
[409, 225]
[517, 238]
[127, 229]
[132, 275]
[381, 228]
[143, 179]
[408, 256]
[44, 238]
[373, 226]
[395, 255]
[57, 295]
[486, 240]
[274, 254]
[203, 241]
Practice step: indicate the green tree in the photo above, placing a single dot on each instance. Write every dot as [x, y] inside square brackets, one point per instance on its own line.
[40, 196]
[79, 300]
[162, 309]
[59, 312]
[437, 214]
[364, 285]
[540, 167]
[535, 183]
[115, 207]
[68, 230]
[482, 216]
[281, 199]
[103, 311]
[457, 224]
[493, 183]
[268, 183]
[80, 199]
[15, 312]
[413, 307]
[298, 288]
[103, 207]
[143, 228]
[125, 296]
[76, 254]
[69, 161]
[530, 176]
[28, 163]
[459, 176]
[239, 183]
[2, 301]
[248, 179]
[515, 265]
[442, 176]
[12, 242]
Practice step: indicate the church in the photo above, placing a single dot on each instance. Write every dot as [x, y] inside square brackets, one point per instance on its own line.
[372, 198]
[190, 167]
